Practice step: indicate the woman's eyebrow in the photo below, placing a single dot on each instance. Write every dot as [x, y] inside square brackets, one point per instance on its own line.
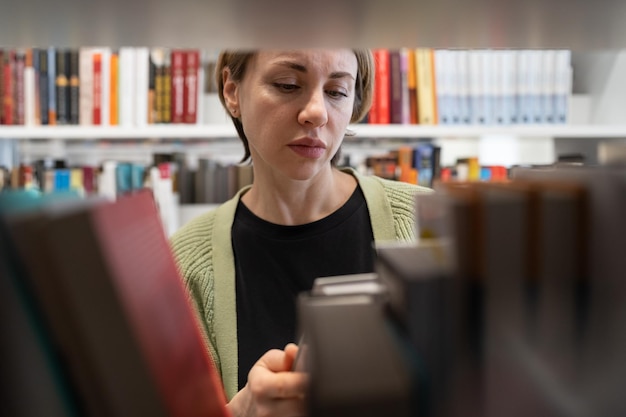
[303, 69]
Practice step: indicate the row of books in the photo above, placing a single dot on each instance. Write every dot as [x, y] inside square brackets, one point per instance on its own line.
[95, 317]
[421, 165]
[130, 86]
[170, 176]
[473, 87]
[511, 303]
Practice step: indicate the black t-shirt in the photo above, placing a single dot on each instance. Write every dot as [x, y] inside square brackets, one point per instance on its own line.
[274, 263]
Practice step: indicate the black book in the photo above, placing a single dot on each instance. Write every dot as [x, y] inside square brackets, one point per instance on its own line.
[44, 95]
[62, 87]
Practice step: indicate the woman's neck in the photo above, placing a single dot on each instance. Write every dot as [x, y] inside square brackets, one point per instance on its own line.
[291, 202]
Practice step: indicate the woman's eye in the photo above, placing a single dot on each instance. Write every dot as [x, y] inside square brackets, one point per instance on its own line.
[286, 87]
[337, 93]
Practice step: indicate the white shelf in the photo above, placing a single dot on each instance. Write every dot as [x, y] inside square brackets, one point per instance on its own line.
[361, 130]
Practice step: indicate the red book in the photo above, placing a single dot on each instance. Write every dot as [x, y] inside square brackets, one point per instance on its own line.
[190, 103]
[177, 86]
[382, 87]
[97, 88]
[132, 316]
[395, 87]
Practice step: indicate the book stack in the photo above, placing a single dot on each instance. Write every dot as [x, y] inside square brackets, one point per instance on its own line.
[101, 310]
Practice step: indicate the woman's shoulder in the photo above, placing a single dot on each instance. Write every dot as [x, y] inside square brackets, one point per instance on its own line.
[193, 239]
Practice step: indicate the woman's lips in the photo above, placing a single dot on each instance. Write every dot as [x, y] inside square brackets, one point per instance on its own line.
[307, 151]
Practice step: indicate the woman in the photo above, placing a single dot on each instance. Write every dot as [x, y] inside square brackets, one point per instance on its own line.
[302, 217]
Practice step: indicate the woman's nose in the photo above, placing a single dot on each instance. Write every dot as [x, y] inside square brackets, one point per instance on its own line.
[314, 111]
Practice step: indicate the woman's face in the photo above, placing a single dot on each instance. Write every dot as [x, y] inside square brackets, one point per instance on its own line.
[295, 107]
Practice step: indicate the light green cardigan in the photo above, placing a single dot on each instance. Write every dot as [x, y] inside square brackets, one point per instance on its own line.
[205, 257]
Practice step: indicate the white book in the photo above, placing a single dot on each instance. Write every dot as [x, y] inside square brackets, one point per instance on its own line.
[107, 182]
[105, 86]
[461, 65]
[142, 74]
[29, 96]
[563, 84]
[476, 91]
[548, 86]
[126, 81]
[85, 97]
[442, 86]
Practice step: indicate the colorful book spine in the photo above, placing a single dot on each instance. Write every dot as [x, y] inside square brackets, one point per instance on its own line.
[192, 67]
[62, 87]
[74, 87]
[114, 90]
[52, 96]
[177, 86]
[97, 89]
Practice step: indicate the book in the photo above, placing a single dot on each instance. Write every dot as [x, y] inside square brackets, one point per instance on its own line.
[52, 102]
[395, 86]
[191, 86]
[114, 90]
[33, 379]
[137, 328]
[74, 87]
[8, 102]
[426, 90]
[177, 85]
[44, 85]
[419, 279]
[380, 379]
[62, 89]
[96, 117]
[18, 90]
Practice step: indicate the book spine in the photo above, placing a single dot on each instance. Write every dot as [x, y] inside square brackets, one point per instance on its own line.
[34, 56]
[85, 112]
[29, 89]
[8, 103]
[384, 93]
[62, 87]
[395, 87]
[20, 64]
[114, 90]
[44, 97]
[52, 96]
[177, 85]
[167, 87]
[142, 65]
[127, 79]
[190, 104]
[74, 87]
[152, 102]
[97, 88]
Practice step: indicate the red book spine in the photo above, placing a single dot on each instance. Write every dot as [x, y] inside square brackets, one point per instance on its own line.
[177, 86]
[383, 86]
[7, 101]
[395, 83]
[97, 88]
[192, 66]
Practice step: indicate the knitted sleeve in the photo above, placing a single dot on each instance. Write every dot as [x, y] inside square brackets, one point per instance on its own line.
[401, 196]
[192, 250]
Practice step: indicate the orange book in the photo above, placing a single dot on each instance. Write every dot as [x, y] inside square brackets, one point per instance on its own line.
[114, 88]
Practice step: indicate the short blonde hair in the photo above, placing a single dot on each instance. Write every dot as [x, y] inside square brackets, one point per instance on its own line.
[236, 61]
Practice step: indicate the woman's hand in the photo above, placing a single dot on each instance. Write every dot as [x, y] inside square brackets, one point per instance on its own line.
[272, 389]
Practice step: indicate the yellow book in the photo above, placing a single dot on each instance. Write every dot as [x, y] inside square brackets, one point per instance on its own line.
[424, 63]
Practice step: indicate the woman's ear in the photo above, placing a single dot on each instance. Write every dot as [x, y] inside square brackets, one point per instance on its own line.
[231, 88]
